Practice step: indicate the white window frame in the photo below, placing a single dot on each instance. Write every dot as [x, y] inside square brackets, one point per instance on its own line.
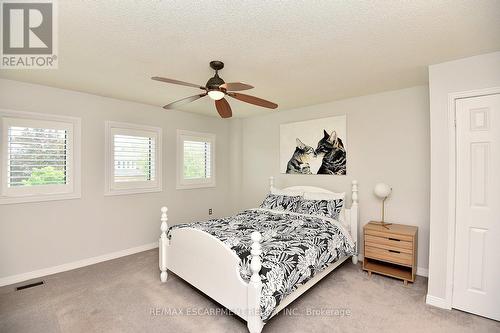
[119, 188]
[183, 184]
[72, 188]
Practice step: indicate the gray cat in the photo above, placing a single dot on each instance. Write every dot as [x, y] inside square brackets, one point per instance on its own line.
[299, 163]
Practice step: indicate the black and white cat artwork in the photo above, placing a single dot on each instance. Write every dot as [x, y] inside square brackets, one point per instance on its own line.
[314, 147]
[334, 154]
[299, 163]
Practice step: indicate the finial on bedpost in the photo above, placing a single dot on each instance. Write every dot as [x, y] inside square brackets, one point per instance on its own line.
[164, 219]
[163, 244]
[254, 321]
[271, 183]
[355, 192]
[354, 219]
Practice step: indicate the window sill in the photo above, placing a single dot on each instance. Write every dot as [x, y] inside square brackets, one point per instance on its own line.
[39, 198]
[132, 191]
[193, 186]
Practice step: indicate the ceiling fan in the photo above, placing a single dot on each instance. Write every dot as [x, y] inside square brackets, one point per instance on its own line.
[217, 89]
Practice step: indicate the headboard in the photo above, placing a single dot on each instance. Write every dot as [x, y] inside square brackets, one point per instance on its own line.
[351, 214]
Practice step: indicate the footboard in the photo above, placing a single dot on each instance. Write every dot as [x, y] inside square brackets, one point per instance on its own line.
[206, 263]
[211, 266]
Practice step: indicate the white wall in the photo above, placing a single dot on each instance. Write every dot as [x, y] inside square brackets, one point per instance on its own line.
[40, 235]
[455, 76]
[388, 141]
[235, 156]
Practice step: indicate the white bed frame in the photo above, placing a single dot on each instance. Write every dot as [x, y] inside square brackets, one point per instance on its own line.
[212, 267]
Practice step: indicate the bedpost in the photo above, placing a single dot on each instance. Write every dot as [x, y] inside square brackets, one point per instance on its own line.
[163, 245]
[271, 183]
[354, 219]
[254, 321]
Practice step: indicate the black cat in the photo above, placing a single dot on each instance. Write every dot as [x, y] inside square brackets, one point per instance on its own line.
[334, 154]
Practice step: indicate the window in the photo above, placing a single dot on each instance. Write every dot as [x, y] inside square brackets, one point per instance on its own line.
[40, 157]
[133, 158]
[195, 160]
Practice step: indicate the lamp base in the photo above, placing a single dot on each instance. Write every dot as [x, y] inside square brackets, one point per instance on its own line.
[382, 223]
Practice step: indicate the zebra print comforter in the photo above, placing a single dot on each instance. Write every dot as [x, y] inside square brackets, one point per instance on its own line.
[295, 247]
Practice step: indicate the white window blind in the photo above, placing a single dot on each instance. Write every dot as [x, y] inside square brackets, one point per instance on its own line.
[36, 156]
[40, 157]
[197, 159]
[134, 158]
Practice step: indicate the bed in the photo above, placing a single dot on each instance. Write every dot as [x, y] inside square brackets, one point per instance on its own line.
[265, 258]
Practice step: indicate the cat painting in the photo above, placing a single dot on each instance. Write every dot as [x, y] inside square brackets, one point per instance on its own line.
[299, 163]
[314, 147]
[333, 151]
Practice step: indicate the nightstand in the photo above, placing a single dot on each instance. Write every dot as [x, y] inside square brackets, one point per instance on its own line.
[391, 250]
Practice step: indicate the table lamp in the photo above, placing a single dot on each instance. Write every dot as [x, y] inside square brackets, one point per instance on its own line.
[383, 191]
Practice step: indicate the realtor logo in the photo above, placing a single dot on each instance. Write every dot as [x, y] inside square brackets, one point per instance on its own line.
[28, 34]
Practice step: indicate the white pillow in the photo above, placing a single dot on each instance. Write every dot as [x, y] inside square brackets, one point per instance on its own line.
[324, 196]
[277, 191]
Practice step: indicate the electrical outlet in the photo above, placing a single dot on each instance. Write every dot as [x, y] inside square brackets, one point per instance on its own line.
[210, 211]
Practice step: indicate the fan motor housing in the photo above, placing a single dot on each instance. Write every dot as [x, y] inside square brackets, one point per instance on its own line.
[214, 82]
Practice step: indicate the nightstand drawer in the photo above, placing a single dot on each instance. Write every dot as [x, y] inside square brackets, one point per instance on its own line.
[389, 242]
[394, 256]
[388, 247]
[386, 234]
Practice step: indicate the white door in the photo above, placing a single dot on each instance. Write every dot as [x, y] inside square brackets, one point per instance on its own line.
[476, 286]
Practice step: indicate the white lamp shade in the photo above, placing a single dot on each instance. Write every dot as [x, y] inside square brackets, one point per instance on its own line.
[382, 190]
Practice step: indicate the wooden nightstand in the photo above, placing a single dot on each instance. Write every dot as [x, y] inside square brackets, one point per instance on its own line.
[391, 250]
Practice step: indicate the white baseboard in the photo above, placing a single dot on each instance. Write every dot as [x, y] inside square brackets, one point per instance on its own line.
[421, 271]
[437, 302]
[73, 265]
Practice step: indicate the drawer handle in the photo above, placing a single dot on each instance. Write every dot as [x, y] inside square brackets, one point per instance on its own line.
[395, 239]
[394, 251]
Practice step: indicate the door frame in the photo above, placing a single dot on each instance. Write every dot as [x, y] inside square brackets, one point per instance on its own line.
[452, 182]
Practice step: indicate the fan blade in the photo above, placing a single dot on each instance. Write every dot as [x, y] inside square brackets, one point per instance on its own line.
[253, 100]
[235, 86]
[183, 101]
[164, 79]
[223, 108]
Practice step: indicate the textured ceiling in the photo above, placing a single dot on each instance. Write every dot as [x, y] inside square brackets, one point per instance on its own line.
[295, 53]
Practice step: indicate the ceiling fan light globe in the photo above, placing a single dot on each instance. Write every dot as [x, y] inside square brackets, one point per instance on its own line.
[216, 95]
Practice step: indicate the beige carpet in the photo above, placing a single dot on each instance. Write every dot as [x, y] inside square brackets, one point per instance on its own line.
[125, 295]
